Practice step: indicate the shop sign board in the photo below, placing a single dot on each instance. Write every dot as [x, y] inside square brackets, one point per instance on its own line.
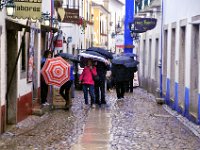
[28, 9]
[119, 40]
[68, 15]
[58, 42]
[141, 25]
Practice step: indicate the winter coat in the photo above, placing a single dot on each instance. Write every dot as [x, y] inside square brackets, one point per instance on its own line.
[86, 76]
[102, 68]
[119, 73]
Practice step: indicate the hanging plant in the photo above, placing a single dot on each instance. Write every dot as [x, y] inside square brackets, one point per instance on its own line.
[83, 24]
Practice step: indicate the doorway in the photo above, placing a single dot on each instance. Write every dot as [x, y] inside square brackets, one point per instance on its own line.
[11, 96]
[172, 63]
[181, 78]
[165, 61]
[194, 72]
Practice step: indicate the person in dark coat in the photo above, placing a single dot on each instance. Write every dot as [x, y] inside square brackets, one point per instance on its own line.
[99, 85]
[129, 83]
[120, 77]
[43, 85]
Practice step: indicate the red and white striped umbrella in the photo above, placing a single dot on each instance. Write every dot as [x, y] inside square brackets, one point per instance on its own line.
[56, 71]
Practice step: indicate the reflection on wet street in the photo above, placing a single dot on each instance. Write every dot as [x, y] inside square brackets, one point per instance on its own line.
[96, 132]
[134, 123]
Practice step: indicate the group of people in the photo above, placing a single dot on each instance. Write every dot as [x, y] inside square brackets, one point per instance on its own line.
[120, 76]
[89, 81]
[93, 79]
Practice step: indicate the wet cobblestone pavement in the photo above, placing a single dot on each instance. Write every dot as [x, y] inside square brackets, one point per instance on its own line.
[137, 123]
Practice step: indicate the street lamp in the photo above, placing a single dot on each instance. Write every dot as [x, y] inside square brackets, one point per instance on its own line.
[118, 28]
[46, 18]
[10, 7]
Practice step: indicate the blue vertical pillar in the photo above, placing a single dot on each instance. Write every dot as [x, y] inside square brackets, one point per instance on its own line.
[129, 16]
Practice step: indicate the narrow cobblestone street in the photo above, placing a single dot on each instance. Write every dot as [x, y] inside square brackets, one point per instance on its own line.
[134, 123]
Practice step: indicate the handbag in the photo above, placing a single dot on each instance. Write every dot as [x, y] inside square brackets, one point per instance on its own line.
[95, 78]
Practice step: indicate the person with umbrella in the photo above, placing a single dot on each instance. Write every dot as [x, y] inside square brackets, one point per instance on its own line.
[102, 68]
[119, 75]
[65, 88]
[43, 85]
[86, 79]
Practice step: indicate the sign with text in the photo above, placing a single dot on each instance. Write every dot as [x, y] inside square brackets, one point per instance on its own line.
[68, 15]
[141, 25]
[28, 9]
[119, 41]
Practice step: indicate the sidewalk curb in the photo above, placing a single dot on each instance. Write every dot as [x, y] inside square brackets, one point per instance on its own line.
[190, 125]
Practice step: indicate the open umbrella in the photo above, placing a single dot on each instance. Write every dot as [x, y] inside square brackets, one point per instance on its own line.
[69, 56]
[101, 51]
[125, 60]
[56, 71]
[94, 56]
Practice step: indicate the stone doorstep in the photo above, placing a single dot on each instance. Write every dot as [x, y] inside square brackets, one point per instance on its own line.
[40, 110]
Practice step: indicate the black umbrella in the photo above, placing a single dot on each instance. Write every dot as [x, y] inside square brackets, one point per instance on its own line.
[131, 64]
[125, 60]
[130, 55]
[101, 51]
[94, 56]
[69, 56]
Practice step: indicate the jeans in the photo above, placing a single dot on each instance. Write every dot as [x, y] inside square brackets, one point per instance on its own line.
[91, 92]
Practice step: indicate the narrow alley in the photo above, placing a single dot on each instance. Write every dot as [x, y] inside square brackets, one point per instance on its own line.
[134, 123]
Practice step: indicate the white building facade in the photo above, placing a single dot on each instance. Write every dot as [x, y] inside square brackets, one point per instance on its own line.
[174, 45]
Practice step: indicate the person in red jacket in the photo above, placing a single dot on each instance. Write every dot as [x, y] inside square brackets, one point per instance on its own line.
[86, 79]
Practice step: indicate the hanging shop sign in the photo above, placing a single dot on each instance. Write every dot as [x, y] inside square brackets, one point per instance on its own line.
[119, 41]
[58, 42]
[28, 9]
[68, 15]
[141, 25]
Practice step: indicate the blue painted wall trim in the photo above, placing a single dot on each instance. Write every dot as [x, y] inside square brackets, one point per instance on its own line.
[175, 106]
[187, 102]
[167, 98]
[161, 88]
[198, 121]
[129, 16]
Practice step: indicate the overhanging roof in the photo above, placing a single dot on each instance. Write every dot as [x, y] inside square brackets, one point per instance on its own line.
[48, 29]
[14, 25]
[120, 2]
[100, 6]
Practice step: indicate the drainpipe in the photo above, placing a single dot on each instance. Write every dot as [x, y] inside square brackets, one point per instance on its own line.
[51, 23]
[161, 49]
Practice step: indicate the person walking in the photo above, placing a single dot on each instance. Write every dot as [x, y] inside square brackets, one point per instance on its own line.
[86, 79]
[43, 85]
[65, 88]
[119, 75]
[99, 85]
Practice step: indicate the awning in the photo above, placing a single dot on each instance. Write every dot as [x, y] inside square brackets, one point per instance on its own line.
[14, 25]
[48, 29]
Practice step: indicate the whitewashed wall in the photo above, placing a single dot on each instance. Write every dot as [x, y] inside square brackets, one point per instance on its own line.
[3, 56]
[180, 10]
[114, 7]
